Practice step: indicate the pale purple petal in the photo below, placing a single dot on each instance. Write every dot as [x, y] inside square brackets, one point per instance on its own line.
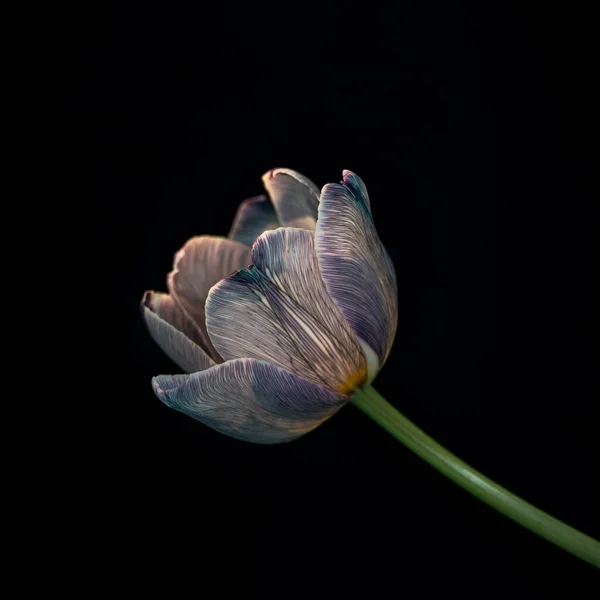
[177, 336]
[202, 262]
[250, 400]
[355, 267]
[278, 310]
[294, 196]
[253, 217]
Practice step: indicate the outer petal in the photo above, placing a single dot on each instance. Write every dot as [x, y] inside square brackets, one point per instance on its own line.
[278, 310]
[357, 185]
[253, 216]
[174, 332]
[355, 267]
[295, 197]
[250, 400]
[202, 262]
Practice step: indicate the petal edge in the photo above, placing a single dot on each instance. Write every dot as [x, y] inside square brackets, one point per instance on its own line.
[253, 216]
[172, 331]
[357, 270]
[294, 196]
[201, 263]
[250, 400]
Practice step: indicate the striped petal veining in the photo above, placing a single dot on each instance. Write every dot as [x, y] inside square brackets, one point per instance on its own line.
[278, 310]
[177, 336]
[202, 262]
[357, 271]
[250, 400]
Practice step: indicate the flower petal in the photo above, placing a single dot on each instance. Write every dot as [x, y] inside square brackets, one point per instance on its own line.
[174, 332]
[253, 216]
[202, 262]
[357, 185]
[357, 271]
[278, 310]
[294, 197]
[250, 400]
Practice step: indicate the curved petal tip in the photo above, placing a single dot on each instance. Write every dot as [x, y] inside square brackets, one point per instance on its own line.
[174, 332]
[294, 196]
[164, 385]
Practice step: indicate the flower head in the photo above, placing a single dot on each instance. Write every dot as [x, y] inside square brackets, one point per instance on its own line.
[277, 324]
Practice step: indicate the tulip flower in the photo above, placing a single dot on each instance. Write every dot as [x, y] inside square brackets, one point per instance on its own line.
[292, 315]
[276, 338]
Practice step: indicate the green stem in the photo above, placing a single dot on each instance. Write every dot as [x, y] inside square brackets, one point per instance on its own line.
[383, 413]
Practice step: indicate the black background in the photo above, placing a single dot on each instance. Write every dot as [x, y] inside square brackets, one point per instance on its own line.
[467, 125]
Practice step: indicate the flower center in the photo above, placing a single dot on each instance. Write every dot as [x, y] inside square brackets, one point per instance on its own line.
[353, 382]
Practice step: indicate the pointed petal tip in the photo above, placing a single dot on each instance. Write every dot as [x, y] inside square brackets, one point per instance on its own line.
[164, 385]
[268, 175]
[294, 197]
[354, 182]
[278, 171]
[156, 387]
[351, 186]
[147, 300]
[272, 173]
